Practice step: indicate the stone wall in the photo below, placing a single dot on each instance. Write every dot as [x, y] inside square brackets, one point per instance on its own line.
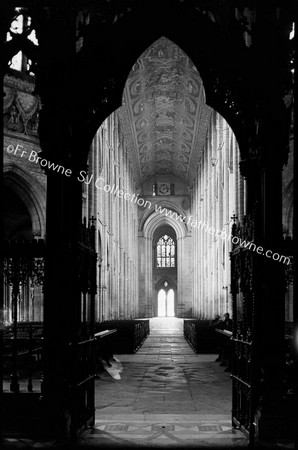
[109, 178]
[24, 183]
[218, 194]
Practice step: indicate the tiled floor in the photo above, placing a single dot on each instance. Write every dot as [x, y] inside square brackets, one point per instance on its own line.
[167, 397]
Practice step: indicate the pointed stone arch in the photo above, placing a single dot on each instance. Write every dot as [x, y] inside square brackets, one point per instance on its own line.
[155, 220]
[183, 244]
[159, 284]
[32, 194]
[150, 216]
[218, 52]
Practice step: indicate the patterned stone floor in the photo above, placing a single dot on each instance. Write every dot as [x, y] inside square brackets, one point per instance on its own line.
[167, 397]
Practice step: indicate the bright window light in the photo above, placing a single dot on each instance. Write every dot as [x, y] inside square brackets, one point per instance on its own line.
[32, 37]
[16, 61]
[17, 24]
[292, 34]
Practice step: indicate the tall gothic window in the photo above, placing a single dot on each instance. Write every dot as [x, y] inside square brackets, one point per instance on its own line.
[21, 25]
[165, 252]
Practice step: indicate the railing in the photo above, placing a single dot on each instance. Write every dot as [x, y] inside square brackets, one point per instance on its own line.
[82, 378]
[200, 335]
[241, 377]
[243, 396]
[23, 271]
[224, 348]
[224, 332]
[22, 356]
[130, 333]
[102, 334]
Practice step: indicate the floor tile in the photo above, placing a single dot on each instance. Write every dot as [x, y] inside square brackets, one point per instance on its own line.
[168, 396]
[181, 399]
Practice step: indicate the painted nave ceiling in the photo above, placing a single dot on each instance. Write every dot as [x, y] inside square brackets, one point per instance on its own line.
[164, 113]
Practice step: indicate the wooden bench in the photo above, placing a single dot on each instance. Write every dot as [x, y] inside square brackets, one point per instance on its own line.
[130, 334]
[200, 335]
[27, 345]
[225, 348]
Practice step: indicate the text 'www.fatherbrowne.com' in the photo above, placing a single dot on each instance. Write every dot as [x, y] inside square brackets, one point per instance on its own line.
[100, 184]
[189, 220]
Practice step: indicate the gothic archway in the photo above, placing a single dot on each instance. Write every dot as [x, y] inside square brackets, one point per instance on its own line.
[166, 290]
[32, 195]
[165, 267]
[166, 302]
[217, 54]
[154, 227]
[233, 74]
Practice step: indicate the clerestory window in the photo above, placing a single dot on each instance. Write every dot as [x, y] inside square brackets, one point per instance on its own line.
[21, 25]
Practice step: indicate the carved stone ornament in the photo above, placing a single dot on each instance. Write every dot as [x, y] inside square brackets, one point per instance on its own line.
[21, 112]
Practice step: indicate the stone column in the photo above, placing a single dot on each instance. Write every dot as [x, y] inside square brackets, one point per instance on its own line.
[273, 121]
[270, 306]
[263, 171]
[295, 224]
[61, 144]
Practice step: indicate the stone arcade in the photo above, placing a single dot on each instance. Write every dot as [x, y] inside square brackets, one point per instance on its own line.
[131, 128]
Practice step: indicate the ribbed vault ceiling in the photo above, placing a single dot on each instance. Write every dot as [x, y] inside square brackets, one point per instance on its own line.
[164, 114]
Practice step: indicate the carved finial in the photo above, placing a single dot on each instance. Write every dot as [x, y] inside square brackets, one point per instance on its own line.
[234, 218]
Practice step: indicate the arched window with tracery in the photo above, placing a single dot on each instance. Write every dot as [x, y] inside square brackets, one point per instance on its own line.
[165, 252]
[22, 31]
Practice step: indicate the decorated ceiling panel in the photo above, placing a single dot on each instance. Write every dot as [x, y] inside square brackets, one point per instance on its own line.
[164, 109]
